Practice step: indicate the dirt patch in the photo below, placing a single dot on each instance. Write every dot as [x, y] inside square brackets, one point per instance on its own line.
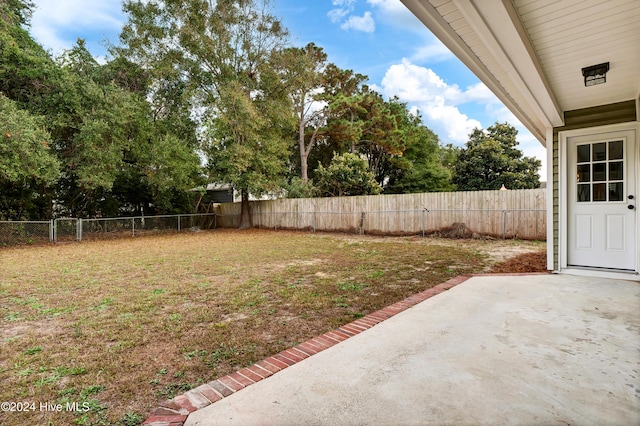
[525, 262]
[38, 329]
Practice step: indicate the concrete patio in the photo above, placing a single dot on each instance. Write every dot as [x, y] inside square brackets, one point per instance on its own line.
[518, 350]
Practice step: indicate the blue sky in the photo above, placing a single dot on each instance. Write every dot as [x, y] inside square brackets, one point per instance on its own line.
[378, 38]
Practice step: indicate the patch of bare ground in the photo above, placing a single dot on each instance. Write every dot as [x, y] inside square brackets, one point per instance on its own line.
[525, 262]
[499, 253]
[122, 325]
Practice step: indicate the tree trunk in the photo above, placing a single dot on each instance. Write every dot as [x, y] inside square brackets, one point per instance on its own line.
[304, 155]
[304, 167]
[245, 214]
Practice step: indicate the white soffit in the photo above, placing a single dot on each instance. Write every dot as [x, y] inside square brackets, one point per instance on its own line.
[569, 35]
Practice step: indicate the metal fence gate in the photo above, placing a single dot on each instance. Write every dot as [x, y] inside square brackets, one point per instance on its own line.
[66, 229]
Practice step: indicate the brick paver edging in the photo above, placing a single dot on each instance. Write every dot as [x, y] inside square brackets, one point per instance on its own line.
[174, 412]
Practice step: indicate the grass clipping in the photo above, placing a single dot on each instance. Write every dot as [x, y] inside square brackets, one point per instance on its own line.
[107, 330]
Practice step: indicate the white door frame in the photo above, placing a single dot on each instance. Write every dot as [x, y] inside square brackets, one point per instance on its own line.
[563, 211]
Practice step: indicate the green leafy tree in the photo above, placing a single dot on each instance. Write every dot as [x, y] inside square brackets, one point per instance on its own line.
[305, 80]
[347, 175]
[27, 165]
[25, 146]
[161, 165]
[93, 126]
[225, 52]
[296, 188]
[382, 136]
[28, 168]
[345, 94]
[491, 159]
[402, 154]
[28, 75]
[117, 151]
[421, 168]
[122, 152]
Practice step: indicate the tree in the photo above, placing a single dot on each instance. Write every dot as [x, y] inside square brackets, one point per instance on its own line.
[116, 151]
[28, 168]
[491, 159]
[161, 165]
[421, 168]
[305, 81]
[225, 51]
[28, 75]
[95, 125]
[402, 154]
[16, 11]
[343, 92]
[26, 163]
[347, 175]
[382, 132]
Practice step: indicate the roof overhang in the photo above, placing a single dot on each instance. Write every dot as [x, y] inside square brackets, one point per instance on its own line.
[491, 41]
[531, 53]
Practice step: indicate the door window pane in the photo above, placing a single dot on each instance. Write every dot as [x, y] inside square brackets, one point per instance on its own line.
[599, 151]
[584, 193]
[615, 170]
[615, 191]
[615, 150]
[599, 172]
[584, 153]
[600, 192]
[584, 173]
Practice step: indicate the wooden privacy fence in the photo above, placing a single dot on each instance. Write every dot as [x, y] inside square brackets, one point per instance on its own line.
[505, 214]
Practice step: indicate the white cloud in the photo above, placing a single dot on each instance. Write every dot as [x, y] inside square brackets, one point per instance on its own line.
[336, 15]
[343, 3]
[393, 7]
[344, 8]
[397, 14]
[440, 102]
[55, 23]
[343, 15]
[480, 93]
[363, 23]
[437, 101]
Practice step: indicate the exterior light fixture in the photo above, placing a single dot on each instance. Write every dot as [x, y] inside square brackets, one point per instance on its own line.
[595, 74]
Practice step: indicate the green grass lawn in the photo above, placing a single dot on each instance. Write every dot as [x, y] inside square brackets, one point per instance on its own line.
[119, 326]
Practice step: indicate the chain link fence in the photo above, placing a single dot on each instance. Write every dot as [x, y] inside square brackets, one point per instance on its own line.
[25, 233]
[107, 228]
[66, 229]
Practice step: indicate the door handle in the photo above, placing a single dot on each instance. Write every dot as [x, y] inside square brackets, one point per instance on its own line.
[631, 207]
[631, 197]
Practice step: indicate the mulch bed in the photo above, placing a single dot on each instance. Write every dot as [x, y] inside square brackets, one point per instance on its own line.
[527, 262]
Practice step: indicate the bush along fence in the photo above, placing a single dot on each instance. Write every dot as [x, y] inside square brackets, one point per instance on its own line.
[501, 214]
[72, 229]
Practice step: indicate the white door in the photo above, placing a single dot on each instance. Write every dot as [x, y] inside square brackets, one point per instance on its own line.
[601, 181]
